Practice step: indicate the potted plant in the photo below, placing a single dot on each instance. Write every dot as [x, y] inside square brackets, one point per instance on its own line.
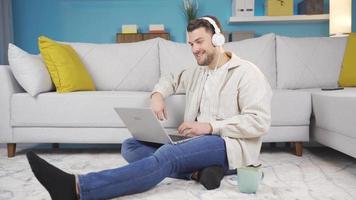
[190, 8]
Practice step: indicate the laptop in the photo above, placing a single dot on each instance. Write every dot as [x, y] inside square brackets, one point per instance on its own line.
[144, 126]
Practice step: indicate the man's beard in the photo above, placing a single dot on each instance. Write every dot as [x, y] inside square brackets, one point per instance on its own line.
[208, 60]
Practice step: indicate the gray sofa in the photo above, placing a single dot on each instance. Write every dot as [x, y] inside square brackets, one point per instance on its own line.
[124, 75]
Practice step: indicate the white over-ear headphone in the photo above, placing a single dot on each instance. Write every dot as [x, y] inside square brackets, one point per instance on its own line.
[218, 39]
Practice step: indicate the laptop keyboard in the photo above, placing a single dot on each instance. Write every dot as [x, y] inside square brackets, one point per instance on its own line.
[176, 138]
[174, 135]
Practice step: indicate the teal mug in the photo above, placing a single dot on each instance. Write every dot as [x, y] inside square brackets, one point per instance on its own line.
[249, 178]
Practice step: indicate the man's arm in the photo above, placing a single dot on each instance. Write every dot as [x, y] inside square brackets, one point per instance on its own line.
[254, 99]
[170, 84]
[158, 106]
[165, 87]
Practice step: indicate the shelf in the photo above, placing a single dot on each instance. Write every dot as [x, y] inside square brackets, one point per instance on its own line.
[136, 37]
[267, 19]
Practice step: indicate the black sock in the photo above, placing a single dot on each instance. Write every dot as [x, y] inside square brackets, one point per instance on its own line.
[211, 177]
[59, 184]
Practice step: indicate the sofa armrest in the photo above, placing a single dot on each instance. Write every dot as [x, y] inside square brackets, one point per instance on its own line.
[8, 86]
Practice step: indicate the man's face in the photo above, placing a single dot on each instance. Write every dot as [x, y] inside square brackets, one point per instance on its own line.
[202, 48]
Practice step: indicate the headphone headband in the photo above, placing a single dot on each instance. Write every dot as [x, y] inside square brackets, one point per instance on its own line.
[212, 22]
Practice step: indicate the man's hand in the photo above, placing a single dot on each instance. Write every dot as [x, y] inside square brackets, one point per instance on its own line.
[158, 106]
[194, 128]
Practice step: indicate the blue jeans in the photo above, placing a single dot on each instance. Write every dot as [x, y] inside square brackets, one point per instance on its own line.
[149, 165]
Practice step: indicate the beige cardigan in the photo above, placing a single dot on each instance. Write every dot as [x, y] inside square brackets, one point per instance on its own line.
[244, 112]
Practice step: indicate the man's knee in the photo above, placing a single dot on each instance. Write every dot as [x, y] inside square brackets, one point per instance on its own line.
[166, 152]
[169, 156]
[128, 146]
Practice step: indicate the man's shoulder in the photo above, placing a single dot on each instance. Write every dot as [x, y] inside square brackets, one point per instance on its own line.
[247, 69]
[236, 61]
[246, 65]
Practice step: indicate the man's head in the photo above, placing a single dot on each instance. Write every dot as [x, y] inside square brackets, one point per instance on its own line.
[200, 32]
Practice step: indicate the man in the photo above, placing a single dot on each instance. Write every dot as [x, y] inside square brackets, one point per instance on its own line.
[227, 103]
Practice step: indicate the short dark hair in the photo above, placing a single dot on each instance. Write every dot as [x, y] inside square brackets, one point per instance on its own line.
[199, 22]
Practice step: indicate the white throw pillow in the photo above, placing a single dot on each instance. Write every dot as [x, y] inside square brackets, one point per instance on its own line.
[261, 51]
[29, 71]
[174, 57]
[309, 62]
[121, 67]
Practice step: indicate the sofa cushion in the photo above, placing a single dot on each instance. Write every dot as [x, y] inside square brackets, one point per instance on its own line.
[76, 109]
[308, 62]
[85, 109]
[121, 67]
[67, 71]
[95, 109]
[291, 107]
[175, 110]
[175, 57]
[335, 111]
[261, 52]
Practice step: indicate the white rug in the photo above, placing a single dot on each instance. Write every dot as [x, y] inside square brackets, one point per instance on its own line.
[321, 173]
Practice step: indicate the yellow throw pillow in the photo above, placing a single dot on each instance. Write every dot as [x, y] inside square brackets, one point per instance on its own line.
[347, 76]
[65, 67]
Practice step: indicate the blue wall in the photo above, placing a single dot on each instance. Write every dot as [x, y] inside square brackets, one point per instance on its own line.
[98, 21]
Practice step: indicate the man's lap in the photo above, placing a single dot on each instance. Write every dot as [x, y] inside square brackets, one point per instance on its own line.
[206, 141]
[209, 149]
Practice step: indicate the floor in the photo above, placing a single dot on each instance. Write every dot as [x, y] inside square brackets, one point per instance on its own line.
[321, 173]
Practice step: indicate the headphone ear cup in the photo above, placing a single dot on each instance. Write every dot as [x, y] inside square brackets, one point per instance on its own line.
[218, 39]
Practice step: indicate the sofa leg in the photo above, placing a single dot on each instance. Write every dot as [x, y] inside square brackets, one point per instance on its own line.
[298, 148]
[55, 145]
[11, 150]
